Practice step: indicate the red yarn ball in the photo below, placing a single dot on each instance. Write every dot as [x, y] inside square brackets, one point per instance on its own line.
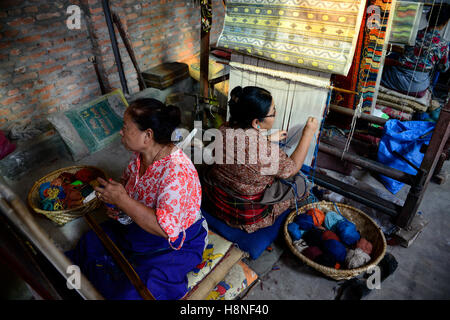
[364, 245]
[327, 235]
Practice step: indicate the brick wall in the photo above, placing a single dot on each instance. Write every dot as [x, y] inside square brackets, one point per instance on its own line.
[44, 65]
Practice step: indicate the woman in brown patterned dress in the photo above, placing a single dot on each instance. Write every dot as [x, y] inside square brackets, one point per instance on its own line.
[246, 170]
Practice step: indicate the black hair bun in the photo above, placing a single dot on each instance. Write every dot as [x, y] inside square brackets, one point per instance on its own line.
[173, 115]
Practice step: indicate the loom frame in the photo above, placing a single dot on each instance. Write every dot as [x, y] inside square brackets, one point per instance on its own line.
[402, 216]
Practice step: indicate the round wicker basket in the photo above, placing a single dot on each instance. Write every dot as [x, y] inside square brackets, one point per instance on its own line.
[365, 225]
[61, 217]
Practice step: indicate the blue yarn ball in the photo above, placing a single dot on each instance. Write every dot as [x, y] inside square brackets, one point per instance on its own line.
[44, 186]
[331, 220]
[347, 232]
[304, 221]
[336, 249]
[295, 231]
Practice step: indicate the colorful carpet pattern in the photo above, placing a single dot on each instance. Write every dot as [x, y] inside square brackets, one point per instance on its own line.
[376, 30]
[312, 34]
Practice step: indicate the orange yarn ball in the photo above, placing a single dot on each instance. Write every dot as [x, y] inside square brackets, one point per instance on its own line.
[317, 215]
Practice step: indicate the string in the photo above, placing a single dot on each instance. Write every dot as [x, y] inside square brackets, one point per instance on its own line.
[358, 109]
[421, 47]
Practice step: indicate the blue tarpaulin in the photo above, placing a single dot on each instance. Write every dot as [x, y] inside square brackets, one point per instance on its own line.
[406, 138]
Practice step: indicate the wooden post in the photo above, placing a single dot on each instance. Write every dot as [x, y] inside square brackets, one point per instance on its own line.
[431, 158]
[206, 14]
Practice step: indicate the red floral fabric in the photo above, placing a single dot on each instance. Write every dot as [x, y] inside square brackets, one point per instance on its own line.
[171, 186]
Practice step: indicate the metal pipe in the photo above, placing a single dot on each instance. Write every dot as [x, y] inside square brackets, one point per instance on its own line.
[368, 164]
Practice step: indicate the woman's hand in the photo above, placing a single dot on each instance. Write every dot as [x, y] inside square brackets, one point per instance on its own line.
[278, 136]
[311, 126]
[112, 192]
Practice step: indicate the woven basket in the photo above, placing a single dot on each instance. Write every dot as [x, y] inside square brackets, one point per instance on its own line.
[61, 217]
[366, 227]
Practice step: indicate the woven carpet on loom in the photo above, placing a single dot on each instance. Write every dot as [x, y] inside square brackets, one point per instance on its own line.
[350, 81]
[376, 36]
[406, 22]
[318, 35]
[295, 100]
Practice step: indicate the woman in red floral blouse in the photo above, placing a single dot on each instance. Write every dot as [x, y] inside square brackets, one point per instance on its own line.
[160, 193]
[252, 111]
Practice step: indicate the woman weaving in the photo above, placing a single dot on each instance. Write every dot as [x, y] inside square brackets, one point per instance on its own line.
[160, 192]
[411, 73]
[236, 191]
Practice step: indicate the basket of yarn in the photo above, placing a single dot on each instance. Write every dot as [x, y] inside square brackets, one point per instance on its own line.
[337, 240]
[59, 195]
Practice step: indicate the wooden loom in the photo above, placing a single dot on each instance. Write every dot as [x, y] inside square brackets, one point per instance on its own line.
[401, 216]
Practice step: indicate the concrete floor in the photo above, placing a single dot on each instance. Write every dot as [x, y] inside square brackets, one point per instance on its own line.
[422, 271]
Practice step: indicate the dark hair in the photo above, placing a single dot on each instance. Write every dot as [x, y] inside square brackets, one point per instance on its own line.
[439, 15]
[248, 104]
[150, 113]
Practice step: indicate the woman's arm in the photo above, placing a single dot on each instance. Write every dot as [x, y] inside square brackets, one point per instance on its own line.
[114, 193]
[301, 150]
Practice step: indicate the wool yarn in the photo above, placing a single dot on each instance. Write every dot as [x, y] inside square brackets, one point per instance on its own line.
[335, 248]
[77, 183]
[347, 232]
[317, 215]
[356, 258]
[295, 231]
[331, 220]
[365, 245]
[304, 221]
[47, 204]
[313, 237]
[67, 177]
[312, 252]
[326, 259]
[85, 175]
[58, 182]
[300, 244]
[44, 186]
[327, 235]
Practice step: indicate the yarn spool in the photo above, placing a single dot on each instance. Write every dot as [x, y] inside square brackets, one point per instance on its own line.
[312, 252]
[332, 219]
[304, 221]
[327, 235]
[364, 245]
[313, 237]
[346, 230]
[317, 215]
[356, 258]
[336, 249]
[295, 231]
